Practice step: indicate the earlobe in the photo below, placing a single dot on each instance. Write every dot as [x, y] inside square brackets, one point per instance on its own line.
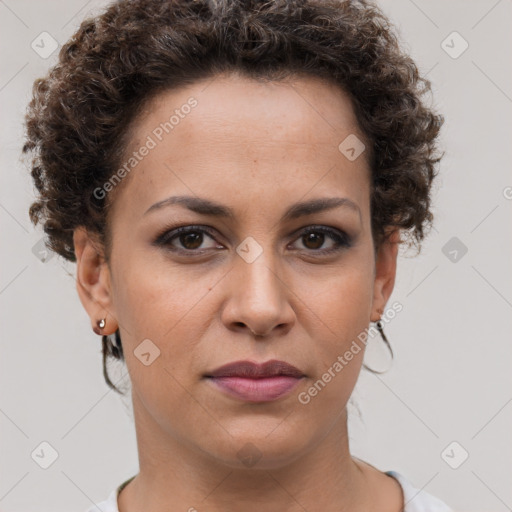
[385, 273]
[93, 281]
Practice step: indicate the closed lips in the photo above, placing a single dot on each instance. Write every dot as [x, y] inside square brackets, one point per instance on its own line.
[252, 370]
[252, 382]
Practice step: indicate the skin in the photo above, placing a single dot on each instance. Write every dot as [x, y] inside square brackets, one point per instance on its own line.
[257, 148]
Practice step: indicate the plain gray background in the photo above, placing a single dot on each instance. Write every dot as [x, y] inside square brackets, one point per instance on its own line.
[451, 378]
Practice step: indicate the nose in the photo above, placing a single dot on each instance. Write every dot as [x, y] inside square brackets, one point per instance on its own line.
[258, 299]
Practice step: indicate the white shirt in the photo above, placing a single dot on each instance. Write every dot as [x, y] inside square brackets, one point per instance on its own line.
[415, 500]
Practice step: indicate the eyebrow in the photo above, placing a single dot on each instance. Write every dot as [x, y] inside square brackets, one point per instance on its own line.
[207, 207]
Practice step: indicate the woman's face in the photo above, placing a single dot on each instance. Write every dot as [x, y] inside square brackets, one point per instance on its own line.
[258, 284]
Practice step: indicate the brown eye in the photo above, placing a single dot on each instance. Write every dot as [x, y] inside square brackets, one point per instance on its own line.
[189, 238]
[314, 238]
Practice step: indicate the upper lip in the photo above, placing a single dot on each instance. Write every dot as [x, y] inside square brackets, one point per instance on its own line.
[253, 370]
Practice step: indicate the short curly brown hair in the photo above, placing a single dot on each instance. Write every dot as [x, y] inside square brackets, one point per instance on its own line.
[77, 121]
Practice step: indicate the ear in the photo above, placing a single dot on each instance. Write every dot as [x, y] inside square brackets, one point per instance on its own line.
[93, 281]
[385, 273]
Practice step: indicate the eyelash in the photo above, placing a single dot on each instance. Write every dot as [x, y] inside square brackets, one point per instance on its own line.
[342, 240]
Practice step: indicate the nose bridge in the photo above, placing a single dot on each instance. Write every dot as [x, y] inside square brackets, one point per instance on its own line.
[257, 268]
[258, 294]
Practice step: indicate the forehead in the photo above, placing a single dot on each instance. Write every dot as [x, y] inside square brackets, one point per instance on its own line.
[244, 139]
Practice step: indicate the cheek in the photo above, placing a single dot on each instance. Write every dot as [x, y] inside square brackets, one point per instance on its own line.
[153, 294]
[343, 301]
[342, 310]
[165, 306]
[170, 306]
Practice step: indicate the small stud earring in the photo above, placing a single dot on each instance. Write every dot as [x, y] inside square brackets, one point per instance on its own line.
[101, 325]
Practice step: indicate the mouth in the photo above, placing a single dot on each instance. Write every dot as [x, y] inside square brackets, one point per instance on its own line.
[253, 382]
[255, 390]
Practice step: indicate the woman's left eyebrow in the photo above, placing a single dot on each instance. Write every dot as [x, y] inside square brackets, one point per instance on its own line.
[319, 205]
[205, 206]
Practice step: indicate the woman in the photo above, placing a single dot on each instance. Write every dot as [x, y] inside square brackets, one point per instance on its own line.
[233, 180]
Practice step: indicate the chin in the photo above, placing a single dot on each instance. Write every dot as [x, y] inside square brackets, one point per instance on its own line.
[260, 449]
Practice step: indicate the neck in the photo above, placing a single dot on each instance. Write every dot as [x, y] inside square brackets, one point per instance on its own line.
[175, 475]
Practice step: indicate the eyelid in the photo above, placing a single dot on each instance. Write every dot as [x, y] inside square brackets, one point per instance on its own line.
[339, 236]
[171, 232]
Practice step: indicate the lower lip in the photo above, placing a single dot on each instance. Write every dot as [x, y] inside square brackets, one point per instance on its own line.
[256, 390]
